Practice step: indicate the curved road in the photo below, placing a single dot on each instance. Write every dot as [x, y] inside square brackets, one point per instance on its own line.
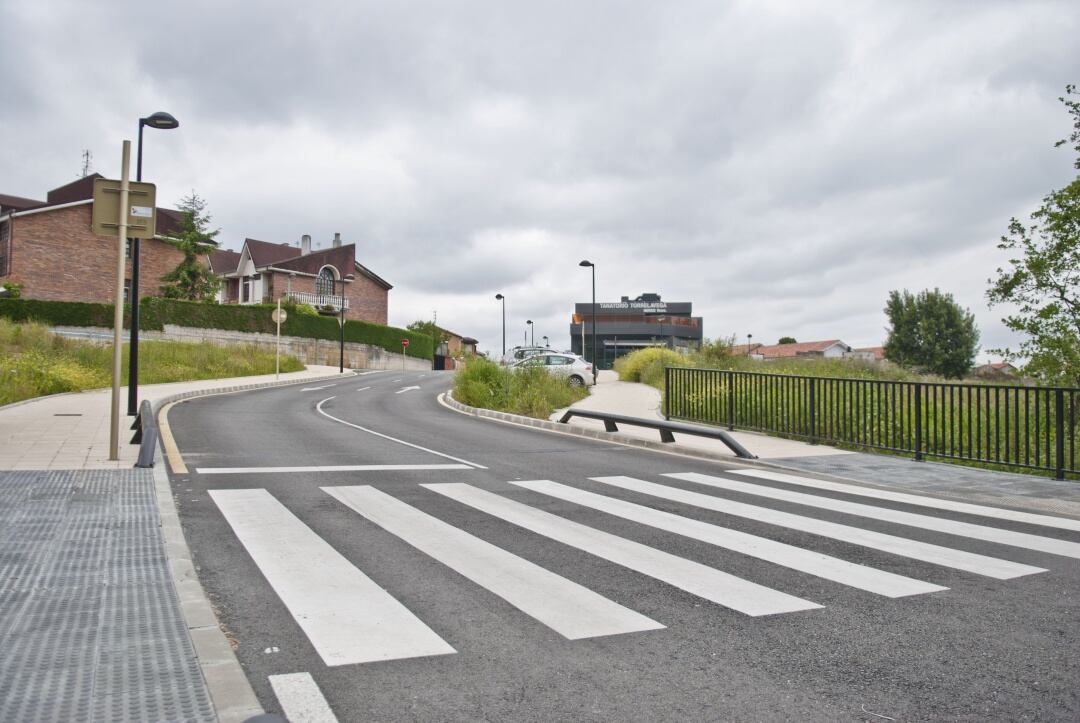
[371, 551]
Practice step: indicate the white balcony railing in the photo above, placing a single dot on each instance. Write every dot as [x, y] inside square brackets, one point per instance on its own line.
[319, 301]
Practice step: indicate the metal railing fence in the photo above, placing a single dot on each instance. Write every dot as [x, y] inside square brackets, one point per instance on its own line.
[1032, 428]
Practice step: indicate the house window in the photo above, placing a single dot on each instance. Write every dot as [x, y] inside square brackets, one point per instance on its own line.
[324, 284]
[5, 246]
[127, 291]
[245, 291]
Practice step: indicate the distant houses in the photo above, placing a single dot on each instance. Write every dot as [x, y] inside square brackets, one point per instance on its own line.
[828, 349]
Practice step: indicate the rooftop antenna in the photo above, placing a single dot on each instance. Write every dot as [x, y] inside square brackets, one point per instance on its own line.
[87, 161]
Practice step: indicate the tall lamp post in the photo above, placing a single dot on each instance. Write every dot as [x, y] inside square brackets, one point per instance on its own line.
[592, 266]
[545, 342]
[341, 361]
[161, 121]
[748, 338]
[532, 332]
[502, 298]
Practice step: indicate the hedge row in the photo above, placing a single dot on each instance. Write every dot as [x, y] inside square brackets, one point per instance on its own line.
[154, 313]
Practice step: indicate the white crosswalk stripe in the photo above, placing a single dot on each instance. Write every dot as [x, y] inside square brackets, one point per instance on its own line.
[350, 619]
[796, 558]
[346, 616]
[569, 609]
[1030, 518]
[914, 549]
[706, 582]
[911, 519]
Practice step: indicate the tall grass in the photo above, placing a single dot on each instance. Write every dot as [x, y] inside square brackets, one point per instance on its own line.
[530, 391]
[34, 362]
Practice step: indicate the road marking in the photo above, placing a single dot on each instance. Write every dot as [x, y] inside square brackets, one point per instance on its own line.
[569, 609]
[172, 452]
[347, 617]
[363, 389]
[405, 389]
[321, 411]
[332, 468]
[925, 522]
[790, 556]
[706, 582]
[315, 389]
[300, 698]
[394, 381]
[902, 546]
[910, 499]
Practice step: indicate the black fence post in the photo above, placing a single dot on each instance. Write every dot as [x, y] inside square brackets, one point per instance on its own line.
[667, 393]
[918, 422]
[1059, 431]
[813, 413]
[730, 400]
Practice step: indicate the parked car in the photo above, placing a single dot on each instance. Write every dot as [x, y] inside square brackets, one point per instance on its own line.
[573, 368]
[521, 352]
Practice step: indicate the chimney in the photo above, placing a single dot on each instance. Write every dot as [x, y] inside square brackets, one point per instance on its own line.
[337, 240]
[305, 245]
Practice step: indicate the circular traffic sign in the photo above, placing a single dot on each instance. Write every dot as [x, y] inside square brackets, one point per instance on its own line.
[279, 316]
[404, 343]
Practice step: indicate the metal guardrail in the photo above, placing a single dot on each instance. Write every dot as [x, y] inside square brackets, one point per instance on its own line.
[146, 434]
[611, 422]
[1032, 428]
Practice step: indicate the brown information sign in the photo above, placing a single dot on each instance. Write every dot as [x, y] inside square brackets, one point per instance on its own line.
[142, 209]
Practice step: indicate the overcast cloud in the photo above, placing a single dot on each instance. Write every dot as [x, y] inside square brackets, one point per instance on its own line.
[782, 165]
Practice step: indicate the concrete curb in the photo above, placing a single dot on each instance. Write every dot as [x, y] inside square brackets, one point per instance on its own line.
[231, 693]
[576, 431]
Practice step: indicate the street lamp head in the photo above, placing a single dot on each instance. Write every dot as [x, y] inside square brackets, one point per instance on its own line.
[160, 120]
[528, 321]
[586, 263]
[499, 297]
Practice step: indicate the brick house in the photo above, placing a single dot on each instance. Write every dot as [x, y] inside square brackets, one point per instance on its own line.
[48, 248]
[263, 272]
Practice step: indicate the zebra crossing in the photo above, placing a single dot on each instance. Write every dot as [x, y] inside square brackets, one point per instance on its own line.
[350, 619]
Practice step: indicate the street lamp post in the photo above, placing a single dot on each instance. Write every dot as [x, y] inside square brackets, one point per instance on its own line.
[532, 332]
[502, 298]
[161, 121]
[546, 342]
[341, 361]
[592, 266]
[748, 338]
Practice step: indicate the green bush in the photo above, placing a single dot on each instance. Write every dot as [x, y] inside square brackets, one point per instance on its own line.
[530, 392]
[155, 313]
[647, 365]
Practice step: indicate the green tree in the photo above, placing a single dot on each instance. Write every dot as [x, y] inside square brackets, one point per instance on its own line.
[1042, 282]
[428, 327]
[930, 332]
[787, 340]
[191, 279]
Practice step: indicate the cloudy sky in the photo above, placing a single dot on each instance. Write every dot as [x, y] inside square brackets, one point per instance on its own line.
[782, 165]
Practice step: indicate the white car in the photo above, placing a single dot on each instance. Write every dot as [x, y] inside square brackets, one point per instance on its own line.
[521, 352]
[573, 368]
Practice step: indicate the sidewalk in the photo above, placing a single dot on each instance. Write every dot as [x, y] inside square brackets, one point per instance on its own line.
[102, 616]
[884, 471]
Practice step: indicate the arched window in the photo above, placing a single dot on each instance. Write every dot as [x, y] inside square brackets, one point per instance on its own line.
[324, 284]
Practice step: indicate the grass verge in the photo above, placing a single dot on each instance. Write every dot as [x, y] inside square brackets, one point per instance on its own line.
[530, 392]
[34, 362]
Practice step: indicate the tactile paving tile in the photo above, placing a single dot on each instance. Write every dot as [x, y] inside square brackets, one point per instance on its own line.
[90, 626]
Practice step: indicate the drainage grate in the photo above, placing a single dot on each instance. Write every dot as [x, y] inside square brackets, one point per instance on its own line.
[89, 621]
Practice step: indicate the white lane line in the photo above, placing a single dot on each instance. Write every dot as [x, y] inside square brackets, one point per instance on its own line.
[569, 609]
[406, 389]
[796, 558]
[1030, 518]
[300, 698]
[387, 437]
[347, 617]
[315, 389]
[331, 468]
[363, 389]
[902, 546]
[706, 582]
[924, 522]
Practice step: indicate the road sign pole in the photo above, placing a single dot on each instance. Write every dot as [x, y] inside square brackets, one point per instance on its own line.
[277, 350]
[118, 309]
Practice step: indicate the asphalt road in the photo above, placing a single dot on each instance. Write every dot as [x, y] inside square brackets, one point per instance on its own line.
[596, 628]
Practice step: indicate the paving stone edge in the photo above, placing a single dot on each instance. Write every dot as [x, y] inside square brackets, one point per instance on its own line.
[233, 697]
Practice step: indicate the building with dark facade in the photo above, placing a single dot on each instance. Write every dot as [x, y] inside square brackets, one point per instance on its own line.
[631, 324]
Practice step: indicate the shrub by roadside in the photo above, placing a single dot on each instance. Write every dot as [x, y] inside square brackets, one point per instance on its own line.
[530, 392]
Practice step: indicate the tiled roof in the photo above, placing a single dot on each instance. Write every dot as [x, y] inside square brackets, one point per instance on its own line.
[17, 203]
[877, 351]
[223, 261]
[264, 253]
[783, 351]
